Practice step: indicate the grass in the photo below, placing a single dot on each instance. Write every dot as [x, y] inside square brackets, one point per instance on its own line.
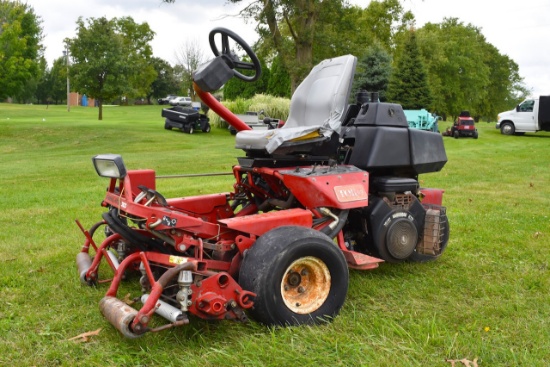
[486, 298]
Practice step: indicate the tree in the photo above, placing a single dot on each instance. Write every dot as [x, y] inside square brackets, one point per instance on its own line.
[237, 88]
[189, 57]
[373, 71]
[455, 57]
[165, 83]
[108, 56]
[136, 38]
[20, 48]
[409, 83]
[279, 80]
[298, 19]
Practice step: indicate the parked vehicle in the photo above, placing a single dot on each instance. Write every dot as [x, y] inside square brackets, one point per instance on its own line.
[257, 121]
[167, 99]
[335, 188]
[464, 125]
[422, 119]
[181, 101]
[186, 120]
[529, 116]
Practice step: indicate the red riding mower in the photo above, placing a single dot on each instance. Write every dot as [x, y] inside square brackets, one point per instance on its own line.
[335, 188]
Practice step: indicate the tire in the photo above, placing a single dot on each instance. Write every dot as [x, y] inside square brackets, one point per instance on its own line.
[298, 274]
[507, 128]
[476, 135]
[167, 126]
[191, 129]
[456, 134]
[206, 128]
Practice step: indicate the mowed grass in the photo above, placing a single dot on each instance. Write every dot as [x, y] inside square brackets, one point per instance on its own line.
[487, 297]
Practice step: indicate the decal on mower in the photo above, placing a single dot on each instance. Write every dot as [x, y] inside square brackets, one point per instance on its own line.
[348, 193]
[177, 259]
[169, 222]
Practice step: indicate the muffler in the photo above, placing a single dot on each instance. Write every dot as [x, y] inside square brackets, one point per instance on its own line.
[119, 314]
[166, 310]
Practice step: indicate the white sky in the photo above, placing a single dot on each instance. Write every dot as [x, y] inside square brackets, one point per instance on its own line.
[519, 29]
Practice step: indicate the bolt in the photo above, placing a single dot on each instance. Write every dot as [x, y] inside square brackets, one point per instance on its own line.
[298, 304]
[286, 288]
[301, 289]
[304, 272]
[144, 319]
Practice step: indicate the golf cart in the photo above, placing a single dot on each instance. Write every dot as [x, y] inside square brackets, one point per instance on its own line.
[185, 119]
[335, 188]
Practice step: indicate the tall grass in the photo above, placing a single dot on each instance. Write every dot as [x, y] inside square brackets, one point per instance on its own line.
[486, 297]
[274, 107]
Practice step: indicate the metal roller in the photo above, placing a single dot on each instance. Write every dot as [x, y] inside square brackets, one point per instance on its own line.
[83, 263]
[119, 314]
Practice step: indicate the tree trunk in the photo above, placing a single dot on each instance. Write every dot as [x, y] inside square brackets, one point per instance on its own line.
[302, 62]
[100, 105]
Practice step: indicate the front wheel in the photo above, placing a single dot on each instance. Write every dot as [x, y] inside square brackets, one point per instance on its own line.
[298, 274]
[507, 128]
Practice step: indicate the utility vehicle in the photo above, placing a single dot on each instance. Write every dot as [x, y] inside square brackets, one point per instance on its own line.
[464, 126]
[529, 116]
[335, 188]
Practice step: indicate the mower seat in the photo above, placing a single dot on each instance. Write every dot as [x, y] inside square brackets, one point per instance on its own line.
[316, 111]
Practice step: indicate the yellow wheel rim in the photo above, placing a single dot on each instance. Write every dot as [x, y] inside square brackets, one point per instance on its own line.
[305, 285]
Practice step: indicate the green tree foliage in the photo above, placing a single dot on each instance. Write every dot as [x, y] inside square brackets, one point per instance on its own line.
[373, 71]
[409, 82]
[381, 21]
[20, 49]
[136, 38]
[279, 80]
[166, 82]
[455, 56]
[111, 58]
[237, 88]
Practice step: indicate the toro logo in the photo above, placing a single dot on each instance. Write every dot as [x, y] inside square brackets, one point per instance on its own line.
[348, 193]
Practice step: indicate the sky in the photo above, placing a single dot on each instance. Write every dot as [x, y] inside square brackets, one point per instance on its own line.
[519, 29]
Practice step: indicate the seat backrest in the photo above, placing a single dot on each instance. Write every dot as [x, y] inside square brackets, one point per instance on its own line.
[322, 97]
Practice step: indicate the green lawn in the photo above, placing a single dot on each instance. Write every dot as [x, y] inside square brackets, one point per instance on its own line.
[486, 298]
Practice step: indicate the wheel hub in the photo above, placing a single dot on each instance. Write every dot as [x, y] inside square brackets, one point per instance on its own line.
[305, 285]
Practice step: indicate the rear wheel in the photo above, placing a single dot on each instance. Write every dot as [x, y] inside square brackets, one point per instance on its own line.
[456, 134]
[206, 128]
[507, 128]
[298, 274]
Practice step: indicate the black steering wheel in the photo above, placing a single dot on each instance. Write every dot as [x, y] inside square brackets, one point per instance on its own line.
[231, 58]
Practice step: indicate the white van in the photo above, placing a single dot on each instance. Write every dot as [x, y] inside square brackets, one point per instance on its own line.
[531, 115]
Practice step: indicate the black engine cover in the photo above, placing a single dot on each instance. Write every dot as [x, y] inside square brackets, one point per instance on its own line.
[393, 230]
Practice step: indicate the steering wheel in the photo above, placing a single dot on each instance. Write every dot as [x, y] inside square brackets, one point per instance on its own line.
[231, 58]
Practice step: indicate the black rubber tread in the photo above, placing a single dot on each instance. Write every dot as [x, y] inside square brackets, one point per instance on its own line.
[265, 263]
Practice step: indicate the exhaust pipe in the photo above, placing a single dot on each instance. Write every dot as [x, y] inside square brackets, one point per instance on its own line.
[166, 310]
[83, 263]
[119, 314]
